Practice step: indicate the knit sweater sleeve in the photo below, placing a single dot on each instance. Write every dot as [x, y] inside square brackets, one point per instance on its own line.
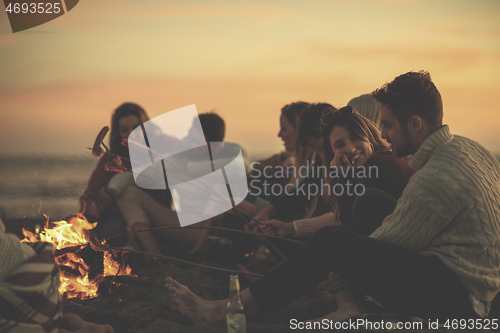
[427, 206]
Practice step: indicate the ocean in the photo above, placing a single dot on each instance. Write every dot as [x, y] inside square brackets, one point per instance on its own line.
[31, 186]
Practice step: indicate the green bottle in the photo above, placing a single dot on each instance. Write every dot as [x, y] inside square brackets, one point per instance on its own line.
[236, 322]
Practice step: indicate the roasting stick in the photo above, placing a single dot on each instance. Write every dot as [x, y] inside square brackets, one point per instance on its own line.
[96, 245]
[213, 268]
[210, 227]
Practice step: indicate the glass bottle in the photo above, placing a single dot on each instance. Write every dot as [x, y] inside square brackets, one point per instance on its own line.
[236, 322]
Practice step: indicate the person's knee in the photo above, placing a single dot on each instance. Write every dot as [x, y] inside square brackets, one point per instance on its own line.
[139, 226]
[130, 194]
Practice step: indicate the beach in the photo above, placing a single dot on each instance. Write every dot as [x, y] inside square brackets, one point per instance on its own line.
[142, 304]
[35, 189]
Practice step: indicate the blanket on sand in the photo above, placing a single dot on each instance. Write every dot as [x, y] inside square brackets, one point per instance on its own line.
[29, 282]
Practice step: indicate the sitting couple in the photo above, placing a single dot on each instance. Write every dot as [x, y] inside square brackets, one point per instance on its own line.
[435, 256]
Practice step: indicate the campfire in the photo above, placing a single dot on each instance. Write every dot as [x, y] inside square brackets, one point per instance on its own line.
[83, 261]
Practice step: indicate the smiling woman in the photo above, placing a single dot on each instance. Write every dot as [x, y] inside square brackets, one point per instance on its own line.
[352, 148]
[353, 144]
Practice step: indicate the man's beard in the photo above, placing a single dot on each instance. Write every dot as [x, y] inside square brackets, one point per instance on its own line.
[406, 146]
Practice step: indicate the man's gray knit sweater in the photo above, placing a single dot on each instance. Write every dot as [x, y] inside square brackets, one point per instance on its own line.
[451, 209]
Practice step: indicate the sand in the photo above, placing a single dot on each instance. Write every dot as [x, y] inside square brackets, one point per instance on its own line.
[142, 304]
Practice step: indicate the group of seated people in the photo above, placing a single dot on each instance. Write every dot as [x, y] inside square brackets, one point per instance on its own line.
[422, 237]
[388, 203]
[114, 201]
[406, 212]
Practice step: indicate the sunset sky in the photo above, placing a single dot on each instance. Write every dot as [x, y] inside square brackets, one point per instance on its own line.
[60, 81]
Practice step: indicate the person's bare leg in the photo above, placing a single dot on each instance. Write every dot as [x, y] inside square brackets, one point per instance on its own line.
[140, 208]
[71, 322]
[146, 237]
[347, 307]
[197, 310]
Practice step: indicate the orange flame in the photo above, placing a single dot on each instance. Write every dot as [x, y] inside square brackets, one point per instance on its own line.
[113, 268]
[65, 234]
[73, 234]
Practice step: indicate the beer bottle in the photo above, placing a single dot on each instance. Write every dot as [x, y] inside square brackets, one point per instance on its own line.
[235, 317]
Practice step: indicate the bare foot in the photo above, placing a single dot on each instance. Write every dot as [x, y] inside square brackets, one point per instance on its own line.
[191, 306]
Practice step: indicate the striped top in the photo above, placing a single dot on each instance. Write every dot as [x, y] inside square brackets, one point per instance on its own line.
[29, 296]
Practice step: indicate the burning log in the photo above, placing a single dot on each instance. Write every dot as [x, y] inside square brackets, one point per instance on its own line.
[89, 267]
[69, 249]
[110, 283]
[83, 261]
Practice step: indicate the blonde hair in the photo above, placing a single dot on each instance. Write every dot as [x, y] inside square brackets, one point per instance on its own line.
[367, 106]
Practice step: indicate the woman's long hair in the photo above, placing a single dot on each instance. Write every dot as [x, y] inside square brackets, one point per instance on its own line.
[358, 126]
[302, 153]
[124, 110]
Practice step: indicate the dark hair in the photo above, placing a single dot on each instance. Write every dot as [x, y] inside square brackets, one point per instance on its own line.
[410, 94]
[357, 125]
[124, 110]
[293, 111]
[310, 121]
[213, 126]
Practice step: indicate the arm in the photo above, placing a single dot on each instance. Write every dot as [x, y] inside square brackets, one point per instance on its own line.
[265, 214]
[299, 228]
[306, 227]
[276, 228]
[98, 179]
[426, 207]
